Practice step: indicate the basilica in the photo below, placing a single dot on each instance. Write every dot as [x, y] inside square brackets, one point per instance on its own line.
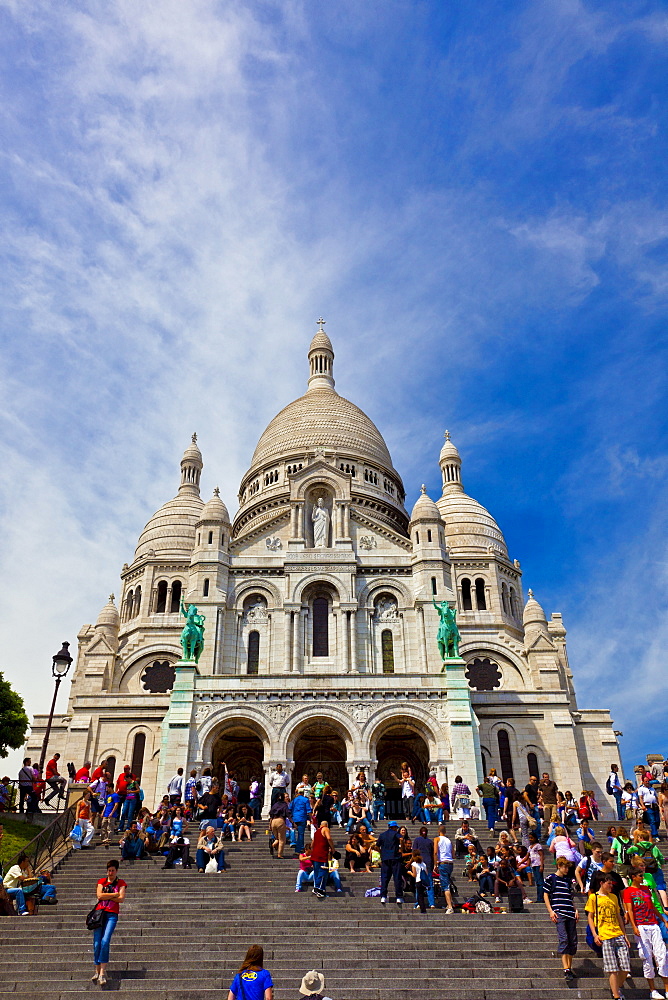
[320, 603]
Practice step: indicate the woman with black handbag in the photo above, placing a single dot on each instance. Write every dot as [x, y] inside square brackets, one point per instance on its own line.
[103, 918]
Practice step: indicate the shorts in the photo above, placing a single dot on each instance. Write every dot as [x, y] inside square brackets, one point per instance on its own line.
[652, 949]
[616, 955]
[567, 932]
[444, 874]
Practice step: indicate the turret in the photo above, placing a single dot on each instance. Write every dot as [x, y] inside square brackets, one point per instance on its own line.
[191, 468]
[321, 360]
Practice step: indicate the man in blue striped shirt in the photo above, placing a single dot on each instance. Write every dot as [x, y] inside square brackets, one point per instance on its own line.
[558, 899]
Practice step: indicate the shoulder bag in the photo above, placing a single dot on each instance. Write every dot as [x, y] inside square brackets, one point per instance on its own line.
[95, 918]
[589, 937]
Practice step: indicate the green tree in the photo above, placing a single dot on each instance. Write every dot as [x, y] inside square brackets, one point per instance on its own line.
[13, 719]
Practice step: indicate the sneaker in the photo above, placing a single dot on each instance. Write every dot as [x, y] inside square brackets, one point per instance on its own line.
[527, 901]
[655, 995]
[93, 979]
[569, 974]
[383, 900]
[297, 890]
[271, 848]
[449, 910]
[400, 902]
[496, 899]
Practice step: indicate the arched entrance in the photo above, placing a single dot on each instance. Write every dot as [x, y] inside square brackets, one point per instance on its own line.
[319, 747]
[242, 750]
[398, 744]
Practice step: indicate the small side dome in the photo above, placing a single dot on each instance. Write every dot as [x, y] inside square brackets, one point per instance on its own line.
[425, 509]
[533, 612]
[108, 618]
[215, 510]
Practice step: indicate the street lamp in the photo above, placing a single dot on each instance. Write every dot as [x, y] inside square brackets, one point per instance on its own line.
[61, 664]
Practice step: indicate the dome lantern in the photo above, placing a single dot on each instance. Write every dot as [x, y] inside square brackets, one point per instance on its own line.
[321, 360]
[191, 468]
[451, 465]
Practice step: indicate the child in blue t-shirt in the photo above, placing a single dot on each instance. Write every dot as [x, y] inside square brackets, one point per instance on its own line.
[109, 814]
[252, 981]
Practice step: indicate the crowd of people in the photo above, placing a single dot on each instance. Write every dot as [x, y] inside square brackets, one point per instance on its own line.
[541, 827]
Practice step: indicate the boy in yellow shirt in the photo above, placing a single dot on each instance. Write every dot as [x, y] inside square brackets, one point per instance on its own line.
[606, 923]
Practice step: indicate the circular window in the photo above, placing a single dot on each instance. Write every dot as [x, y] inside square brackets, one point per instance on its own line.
[159, 677]
[483, 674]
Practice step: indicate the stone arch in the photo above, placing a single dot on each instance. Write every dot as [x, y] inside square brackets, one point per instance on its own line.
[118, 758]
[376, 586]
[130, 738]
[324, 579]
[421, 722]
[330, 714]
[516, 763]
[132, 671]
[542, 759]
[324, 478]
[261, 586]
[321, 743]
[226, 716]
[514, 670]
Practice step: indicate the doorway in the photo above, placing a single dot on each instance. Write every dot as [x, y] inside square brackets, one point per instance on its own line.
[397, 745]
[321, 748]
[243, 752]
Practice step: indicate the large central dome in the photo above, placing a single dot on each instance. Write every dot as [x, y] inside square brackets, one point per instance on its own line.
[322, 418]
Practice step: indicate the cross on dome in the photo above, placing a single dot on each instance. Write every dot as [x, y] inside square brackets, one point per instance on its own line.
[321, 322]
[216, 491]
[194, 438]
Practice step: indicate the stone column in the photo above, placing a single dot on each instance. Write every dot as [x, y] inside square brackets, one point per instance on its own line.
[371, 644]
[353, 642]
[341, 640]
[300, 521]
[295, 641]
[303, 616]
[422, 638]
[237, 637]
[346, 520]
[168, 602]
[287, 639]
[293, 521]
[269, 646]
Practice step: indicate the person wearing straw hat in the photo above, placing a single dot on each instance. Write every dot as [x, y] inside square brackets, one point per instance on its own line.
[312, 985]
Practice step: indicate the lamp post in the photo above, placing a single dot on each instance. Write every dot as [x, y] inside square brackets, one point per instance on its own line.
[61, 664]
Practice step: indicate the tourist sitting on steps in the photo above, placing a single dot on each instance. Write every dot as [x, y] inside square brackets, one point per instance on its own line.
[132, 844]
[313, 985]
[464, 836]
[179, 847]
[210, 846]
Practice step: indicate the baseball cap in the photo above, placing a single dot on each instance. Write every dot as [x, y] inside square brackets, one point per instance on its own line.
[392, 822]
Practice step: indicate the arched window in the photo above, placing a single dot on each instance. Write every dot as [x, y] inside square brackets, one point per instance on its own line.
[484, 763]
[480, 594]
[161, 601]
[466, 595]
[253, 652]
[428, 534]
[504, 598]
[129, 604]
[111, 766]
[138, 755]
[532, 764]
[211, 538]
[387, 647]
[320, 627]
[175, 605]
[137, 602]
[433, 585]
[505, 755]
[205, 589]
[417, 537]
[513, 603]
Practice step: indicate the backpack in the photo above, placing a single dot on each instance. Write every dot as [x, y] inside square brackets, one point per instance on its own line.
[651, 864]
[608, 787]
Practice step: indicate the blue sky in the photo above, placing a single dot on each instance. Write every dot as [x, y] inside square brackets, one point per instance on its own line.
[472, 194]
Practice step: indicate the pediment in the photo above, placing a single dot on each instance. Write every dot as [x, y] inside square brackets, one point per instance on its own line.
[99, 647]
[542, 644]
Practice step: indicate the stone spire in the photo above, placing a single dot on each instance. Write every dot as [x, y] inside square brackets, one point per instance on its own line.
[321, 360]
[451, 466]
[191, 468]
[534, 620]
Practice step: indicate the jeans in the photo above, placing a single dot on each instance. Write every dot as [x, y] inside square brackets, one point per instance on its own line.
[618, 802]
[334, 876]
[202, 859]
[355, 821]
[128, 814]
[407, 803]
[536, 815]
[132, 849]
[444, 874]
[46, 892]
[429, 887]
[102, 939]
[300, 830]
[420, 896]
[256, 808]
[538, 879]
[486, 882]
[654, 817]
[392, 867]
[320, 874]
[489, 805]
[20, 898]
[302, 879]
[378, 810]
[58, 786]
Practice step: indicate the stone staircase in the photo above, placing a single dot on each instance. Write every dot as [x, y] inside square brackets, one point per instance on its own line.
[182, 935]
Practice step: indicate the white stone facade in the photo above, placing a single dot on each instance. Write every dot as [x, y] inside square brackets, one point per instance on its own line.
[320, 644]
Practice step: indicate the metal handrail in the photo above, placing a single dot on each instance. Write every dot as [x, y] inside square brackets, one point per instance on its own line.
[51, 845]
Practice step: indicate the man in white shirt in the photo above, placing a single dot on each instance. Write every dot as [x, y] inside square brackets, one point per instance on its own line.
[647, 800]
[444, 861]
[304, 787]
[278, 782]
[175, 787]
[588, 866]
[615, 785]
